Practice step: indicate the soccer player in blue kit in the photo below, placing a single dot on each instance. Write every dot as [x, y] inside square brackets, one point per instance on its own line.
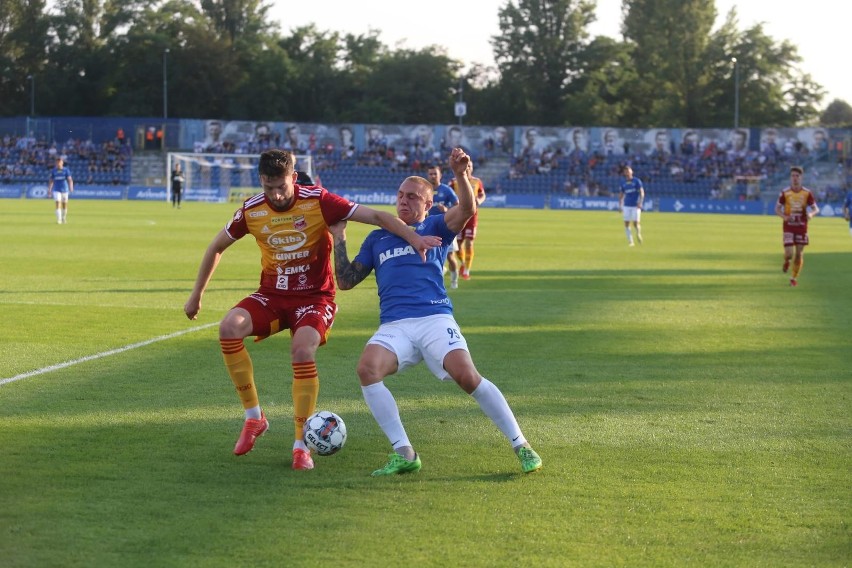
[847, 209]
[416, 317]
[60, 185]
[631, 196]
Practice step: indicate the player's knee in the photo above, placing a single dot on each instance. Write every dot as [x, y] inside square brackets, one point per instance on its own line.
[369, 372]
[468, 380]
[234, 324]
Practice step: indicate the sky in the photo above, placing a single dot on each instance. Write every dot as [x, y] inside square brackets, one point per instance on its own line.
[814, 26]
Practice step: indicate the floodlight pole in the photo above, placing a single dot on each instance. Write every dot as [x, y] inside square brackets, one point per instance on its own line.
[32, 94]
[736, 92]
[165, 83]
[461, 97]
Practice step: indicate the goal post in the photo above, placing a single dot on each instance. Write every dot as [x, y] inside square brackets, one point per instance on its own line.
[221, 178]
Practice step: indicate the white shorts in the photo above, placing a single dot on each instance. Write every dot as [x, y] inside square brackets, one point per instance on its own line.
[427, 339]
[631, 213]
[455, 246]
[60, 196]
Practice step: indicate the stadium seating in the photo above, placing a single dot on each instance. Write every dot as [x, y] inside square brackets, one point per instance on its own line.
[26, 160]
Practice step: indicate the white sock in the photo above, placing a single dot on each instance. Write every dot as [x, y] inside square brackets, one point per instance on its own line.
[59, 214]
[629, 235]
[494, 405]
[253, 413]
[383, 406]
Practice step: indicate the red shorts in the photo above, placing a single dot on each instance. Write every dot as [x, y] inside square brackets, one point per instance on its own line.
[468, 232]
[795, 236]
[271, 313]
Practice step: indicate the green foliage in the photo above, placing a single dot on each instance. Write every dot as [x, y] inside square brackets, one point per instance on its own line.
[837, 114]
[228, 60]
[539, 49]
[690, 407]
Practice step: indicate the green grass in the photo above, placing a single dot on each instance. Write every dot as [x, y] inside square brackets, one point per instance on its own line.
[690, 407]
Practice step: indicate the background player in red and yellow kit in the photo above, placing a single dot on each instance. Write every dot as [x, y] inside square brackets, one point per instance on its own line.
[290, 224]
[796, 205]
[468, 233]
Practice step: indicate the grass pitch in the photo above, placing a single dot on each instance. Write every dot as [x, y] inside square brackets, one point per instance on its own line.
[690, 407]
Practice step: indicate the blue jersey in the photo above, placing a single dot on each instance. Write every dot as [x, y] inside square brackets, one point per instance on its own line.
[630, 190]
[443, 195]
[60, 177]
[408, 287]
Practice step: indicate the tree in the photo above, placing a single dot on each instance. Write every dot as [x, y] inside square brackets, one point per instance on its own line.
[539, 53]
[837, 114]
[669, 39]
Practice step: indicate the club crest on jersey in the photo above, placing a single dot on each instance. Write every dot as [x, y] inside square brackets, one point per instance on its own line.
[300, 223]
[395, 252]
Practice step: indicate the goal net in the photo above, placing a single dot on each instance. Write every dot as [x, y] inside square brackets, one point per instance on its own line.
[220, 178]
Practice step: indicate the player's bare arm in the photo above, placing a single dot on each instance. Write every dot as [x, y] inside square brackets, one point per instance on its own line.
[209, 262]
[395, 225]
[349, 274]
[462, 167]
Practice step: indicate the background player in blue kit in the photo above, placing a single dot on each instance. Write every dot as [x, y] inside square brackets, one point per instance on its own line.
[847, 209]
[59, 186]
[631, 196]
[416, 316]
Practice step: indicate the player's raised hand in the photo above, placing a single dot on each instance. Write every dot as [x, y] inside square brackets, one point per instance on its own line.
[460, 162]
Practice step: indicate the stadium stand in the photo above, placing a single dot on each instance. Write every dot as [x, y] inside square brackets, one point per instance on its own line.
[29, 160]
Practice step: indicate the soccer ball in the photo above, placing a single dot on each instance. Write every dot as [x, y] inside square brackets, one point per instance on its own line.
[325, 433]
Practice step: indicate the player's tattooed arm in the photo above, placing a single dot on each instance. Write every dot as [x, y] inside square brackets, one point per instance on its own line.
[349, 274]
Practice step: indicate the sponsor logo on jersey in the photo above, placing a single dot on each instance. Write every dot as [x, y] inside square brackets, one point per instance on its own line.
[292, 255]
[395, 252]
[287, 240]
[295, 269]
[238, 215]
[261, 213]
[280, 220]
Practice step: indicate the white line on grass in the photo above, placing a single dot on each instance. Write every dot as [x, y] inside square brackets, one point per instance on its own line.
[58, 366]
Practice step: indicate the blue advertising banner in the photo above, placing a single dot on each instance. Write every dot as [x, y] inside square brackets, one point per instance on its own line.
[513, 201]
[99, 192]
[12, 191]
[370, 197]
[144, 193]
[593, 203]
[672, 205]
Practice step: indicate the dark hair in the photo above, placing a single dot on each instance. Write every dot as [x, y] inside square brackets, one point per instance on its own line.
[799, 169]
[276, 163]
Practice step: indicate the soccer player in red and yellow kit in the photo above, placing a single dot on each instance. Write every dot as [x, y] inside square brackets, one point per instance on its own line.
[468, 233]
[796, 205]
[290, 224]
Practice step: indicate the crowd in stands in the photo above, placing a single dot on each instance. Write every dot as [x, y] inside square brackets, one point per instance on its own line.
[26, 159]
[704, 169]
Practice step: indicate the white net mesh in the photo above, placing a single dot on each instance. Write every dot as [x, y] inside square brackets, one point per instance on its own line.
[220, 178]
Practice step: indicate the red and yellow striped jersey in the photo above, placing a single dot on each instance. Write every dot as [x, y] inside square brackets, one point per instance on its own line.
[295, 245]
[795, 204]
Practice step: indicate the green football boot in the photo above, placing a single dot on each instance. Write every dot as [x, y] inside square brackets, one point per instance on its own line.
[398, 464]
[530, 461]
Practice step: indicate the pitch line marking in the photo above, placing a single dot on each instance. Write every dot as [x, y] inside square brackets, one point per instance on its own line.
[87, 358]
